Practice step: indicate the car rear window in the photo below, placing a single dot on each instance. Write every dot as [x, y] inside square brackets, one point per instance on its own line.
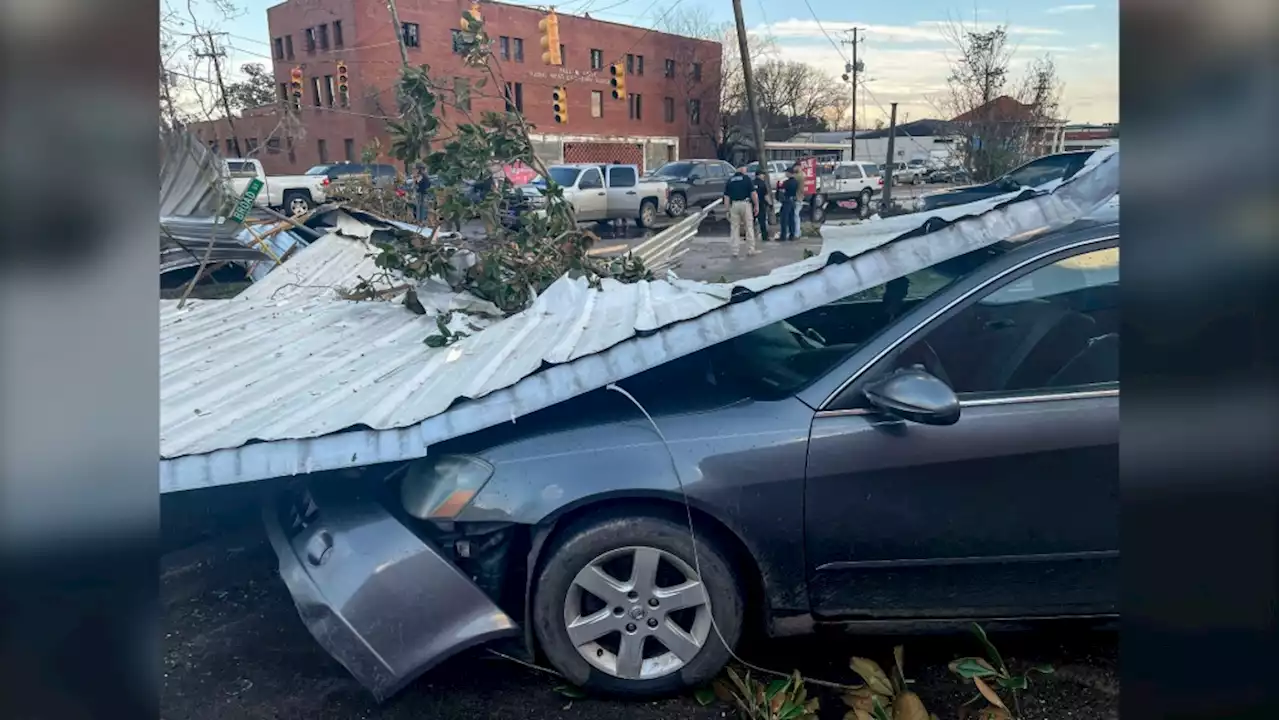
[241, 169]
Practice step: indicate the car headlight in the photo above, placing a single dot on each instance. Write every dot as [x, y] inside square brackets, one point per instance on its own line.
[440, 488]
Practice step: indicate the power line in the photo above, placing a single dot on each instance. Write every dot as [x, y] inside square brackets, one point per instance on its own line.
[834, 44]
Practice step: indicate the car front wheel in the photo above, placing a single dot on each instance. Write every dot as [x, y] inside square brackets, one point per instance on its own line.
[620, 607]
[676, 205]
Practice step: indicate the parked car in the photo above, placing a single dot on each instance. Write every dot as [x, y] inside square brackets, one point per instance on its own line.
[776, 168]
[950, 174]
[850, 180]
[693, 183]
[1037, 172]
[609, 192]
[294, 194]
[382, 175]
[902, 174]
[938, 449]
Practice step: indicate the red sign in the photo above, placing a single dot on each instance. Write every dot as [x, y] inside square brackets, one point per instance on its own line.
[519, 173]
[809, 171]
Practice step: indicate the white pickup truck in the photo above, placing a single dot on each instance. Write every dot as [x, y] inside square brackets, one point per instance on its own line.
[608, 192]
[295, 194]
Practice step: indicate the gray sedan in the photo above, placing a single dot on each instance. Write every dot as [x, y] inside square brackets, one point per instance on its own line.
[938, 449]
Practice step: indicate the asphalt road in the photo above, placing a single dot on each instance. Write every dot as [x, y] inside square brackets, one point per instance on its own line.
[235, 648]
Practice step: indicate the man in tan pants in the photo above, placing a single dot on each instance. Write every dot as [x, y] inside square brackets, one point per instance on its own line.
[741, 201]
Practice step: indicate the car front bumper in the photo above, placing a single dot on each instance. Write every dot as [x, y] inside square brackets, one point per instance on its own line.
[383, 602]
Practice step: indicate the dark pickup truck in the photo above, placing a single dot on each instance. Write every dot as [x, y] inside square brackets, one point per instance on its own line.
[694, 183]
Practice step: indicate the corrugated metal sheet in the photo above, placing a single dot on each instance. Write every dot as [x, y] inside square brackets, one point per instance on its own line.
[259, 387]
[191, 177]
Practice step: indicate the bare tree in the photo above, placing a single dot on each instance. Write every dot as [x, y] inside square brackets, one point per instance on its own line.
[795, 97]
[999, 122]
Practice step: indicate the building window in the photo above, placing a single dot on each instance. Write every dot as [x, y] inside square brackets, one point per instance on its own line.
[213, 146]
[309, 37]
[697, 71]
[597, 104]
[328, 90]
[273, 146]
[639, 64]
[278, 43]
[633, 106]
[695, 111]
[337, 33]
[348, 145]
[504, 47]
[514, 95]
[669, 109]
[284, 92]
[231, 147]
[315, 91]
[288, 46]
[669, 68]
[462, 94]
[323, 148]
[519, 48]
[293, 157]
[410, 33]
[597, 59]
[631, 64]
[459, 44]
[250, 145]
[323, 36]
[562, 55]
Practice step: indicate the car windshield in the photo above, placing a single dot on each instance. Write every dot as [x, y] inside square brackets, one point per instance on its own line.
[563, 176]
[780, 359]
[318, 170]
[675, 169]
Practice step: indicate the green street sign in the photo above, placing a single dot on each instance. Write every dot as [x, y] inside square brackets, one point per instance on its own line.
[245, 203]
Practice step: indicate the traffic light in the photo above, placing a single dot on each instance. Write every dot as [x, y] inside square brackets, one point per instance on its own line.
[549, 26]
[295, 86]
[560, 104]
[474, 12]
[618, 79]
[342, 83]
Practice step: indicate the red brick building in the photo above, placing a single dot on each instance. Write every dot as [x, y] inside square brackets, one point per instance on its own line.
[669, 78]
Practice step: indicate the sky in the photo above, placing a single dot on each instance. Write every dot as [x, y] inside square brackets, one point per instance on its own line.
[903, 47]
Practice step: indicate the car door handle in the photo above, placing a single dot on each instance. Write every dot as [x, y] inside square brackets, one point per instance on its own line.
[999, 324]
[631, 192]
[600, 193]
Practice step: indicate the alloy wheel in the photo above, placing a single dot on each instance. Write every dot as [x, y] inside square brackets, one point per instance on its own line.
[637, 613]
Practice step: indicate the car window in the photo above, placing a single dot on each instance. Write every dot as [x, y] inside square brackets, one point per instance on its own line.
[563, 176]
[1042, 170]
[675, 169]
[591, 179]
[318, 170]
[241, 169]
[384, 171]
[1054, 328]
[622, 176]
[715, 170]
[871, 170]
[780, 359]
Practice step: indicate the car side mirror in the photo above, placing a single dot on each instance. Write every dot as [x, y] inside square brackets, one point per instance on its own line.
[915, 395]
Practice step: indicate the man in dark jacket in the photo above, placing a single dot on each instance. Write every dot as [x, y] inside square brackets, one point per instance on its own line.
[763, 206]
[423, 185]
[788, 215]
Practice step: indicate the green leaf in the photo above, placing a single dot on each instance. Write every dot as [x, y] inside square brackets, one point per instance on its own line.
[572, 692]
[1042, 669]
[872, 675]
[992, 652]
[436, 341]
[878, 710]
[775, 687]
[1016, 682]
[971, 667]
[704, 696]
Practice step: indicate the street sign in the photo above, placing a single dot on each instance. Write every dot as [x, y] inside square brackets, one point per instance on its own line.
[245, 203]
[809, 170]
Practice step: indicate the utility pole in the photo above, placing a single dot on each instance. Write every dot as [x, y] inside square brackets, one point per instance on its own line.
[399, 30]
[749, 81]
[888, 159]
[853, 104]
[215, 54]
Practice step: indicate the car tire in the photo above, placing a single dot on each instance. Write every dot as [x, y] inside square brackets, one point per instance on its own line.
[593, 544]
[864, 202]
[677, 205]
[818, 209]
[648, 214]
[297, 202]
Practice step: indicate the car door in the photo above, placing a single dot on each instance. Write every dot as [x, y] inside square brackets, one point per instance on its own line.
[621, 195]
[713, 189]
[592, 199]
[1012, 510]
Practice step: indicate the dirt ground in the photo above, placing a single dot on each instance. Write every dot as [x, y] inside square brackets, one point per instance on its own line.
[235, 648]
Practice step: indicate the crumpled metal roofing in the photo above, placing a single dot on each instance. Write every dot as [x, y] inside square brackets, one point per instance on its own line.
[288, 380]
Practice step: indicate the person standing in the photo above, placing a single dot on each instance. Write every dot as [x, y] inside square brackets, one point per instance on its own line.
[740, 199]
[763, 203]
[423, 185]
[789, 215]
